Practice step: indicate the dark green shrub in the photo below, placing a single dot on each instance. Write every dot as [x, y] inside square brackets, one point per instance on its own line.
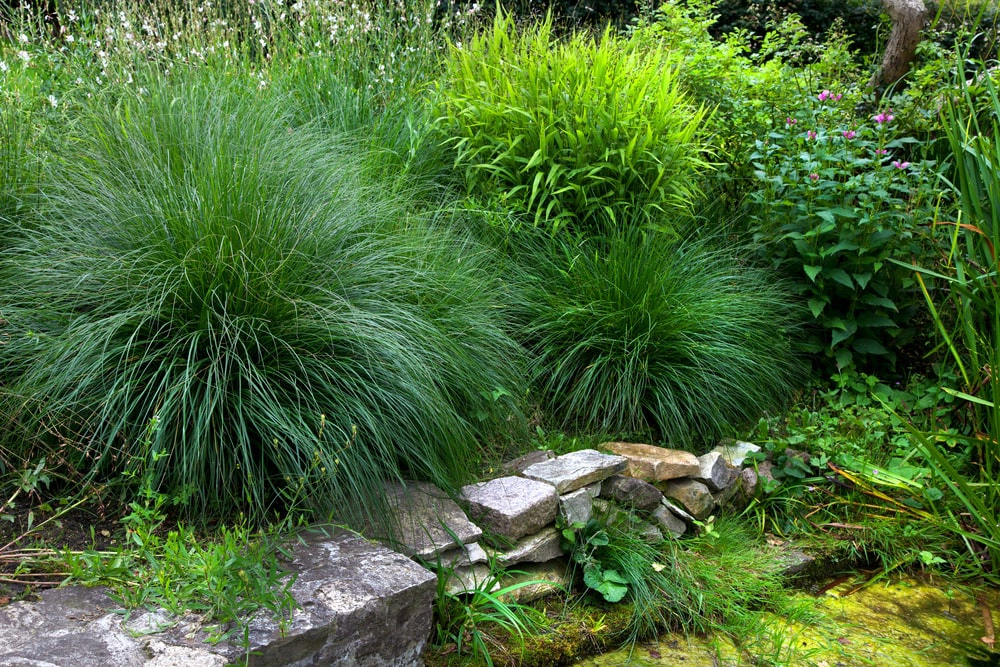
[217, 302]
[572, 132]
[836, 200]
[634, 332]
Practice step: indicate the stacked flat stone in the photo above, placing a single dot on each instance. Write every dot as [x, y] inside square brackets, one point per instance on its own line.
[511, 519]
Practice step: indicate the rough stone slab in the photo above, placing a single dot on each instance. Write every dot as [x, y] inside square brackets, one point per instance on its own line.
[714, 472]
[728, 497]
[541, 547]
[68, 626]
[517, 466]
[678, 511]
[793, 561]
[577, 506]
[668, 521]
[462, 580]
[512, 507]
[735, 451]
[359, 604]
[647, 532]
[575, 470]
[463, 556]
[748, 484]
[428, 521]
[548, 578]
[632, 492]
[654, 464]
[694, 496]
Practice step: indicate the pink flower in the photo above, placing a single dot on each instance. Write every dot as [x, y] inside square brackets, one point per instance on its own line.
[884, 118]
[880, 151]
[811, 134]
[849, 134]
[827, 95]
[900, 165]
[813, 177]
[790, 121]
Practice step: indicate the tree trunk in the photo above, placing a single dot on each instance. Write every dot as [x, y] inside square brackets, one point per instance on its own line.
[907, 20]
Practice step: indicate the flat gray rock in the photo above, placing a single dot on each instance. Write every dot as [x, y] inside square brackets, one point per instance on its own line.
[694, 496]
[541, 547]
[735, 451]
[359, 604]
[540, 580]
[632, 492]
[463, 556]
[512, 507]
[428, 521]
[577, 506]
[714, 472]
[575, 470]
[668, 521]
[654, 464]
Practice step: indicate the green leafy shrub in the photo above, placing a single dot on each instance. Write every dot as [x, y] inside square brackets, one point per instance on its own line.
[835, 201]
[205, 269]
[637, 332]
[751, 88]
[572, 132]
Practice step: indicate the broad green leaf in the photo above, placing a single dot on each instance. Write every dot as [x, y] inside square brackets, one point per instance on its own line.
[812, 271]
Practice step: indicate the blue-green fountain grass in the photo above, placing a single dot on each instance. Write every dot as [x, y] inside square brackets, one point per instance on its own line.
[201, 263]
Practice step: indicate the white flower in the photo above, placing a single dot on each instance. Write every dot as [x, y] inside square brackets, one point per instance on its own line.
[53, 101]
[23, 38]
[3, 66]
[24, 55]
[70, 38]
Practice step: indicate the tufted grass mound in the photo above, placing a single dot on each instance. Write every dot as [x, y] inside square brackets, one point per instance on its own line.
[217, 303]
[635, 332]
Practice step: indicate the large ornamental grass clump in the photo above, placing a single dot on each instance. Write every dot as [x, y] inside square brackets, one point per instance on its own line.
[214, 300]
[636, 332]
[572, 132]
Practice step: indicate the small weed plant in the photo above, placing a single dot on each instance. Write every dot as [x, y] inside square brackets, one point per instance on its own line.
[228, 579]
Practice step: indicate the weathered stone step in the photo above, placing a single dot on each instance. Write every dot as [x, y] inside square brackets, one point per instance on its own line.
[360, 605]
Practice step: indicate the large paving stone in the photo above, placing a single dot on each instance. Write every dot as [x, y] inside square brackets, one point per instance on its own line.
[360, 605]
[515, 466]
[654, 464]
[512, 507]
[68, 627]
[575, 470]
[427, 521]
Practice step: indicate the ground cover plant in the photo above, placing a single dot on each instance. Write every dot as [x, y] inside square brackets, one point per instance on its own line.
[253, 264]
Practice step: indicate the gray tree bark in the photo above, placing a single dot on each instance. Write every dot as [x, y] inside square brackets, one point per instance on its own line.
[907, 21]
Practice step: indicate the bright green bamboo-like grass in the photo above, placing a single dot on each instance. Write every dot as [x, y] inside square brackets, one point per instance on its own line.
[637, 332]
[573, 132]
[217, 301]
